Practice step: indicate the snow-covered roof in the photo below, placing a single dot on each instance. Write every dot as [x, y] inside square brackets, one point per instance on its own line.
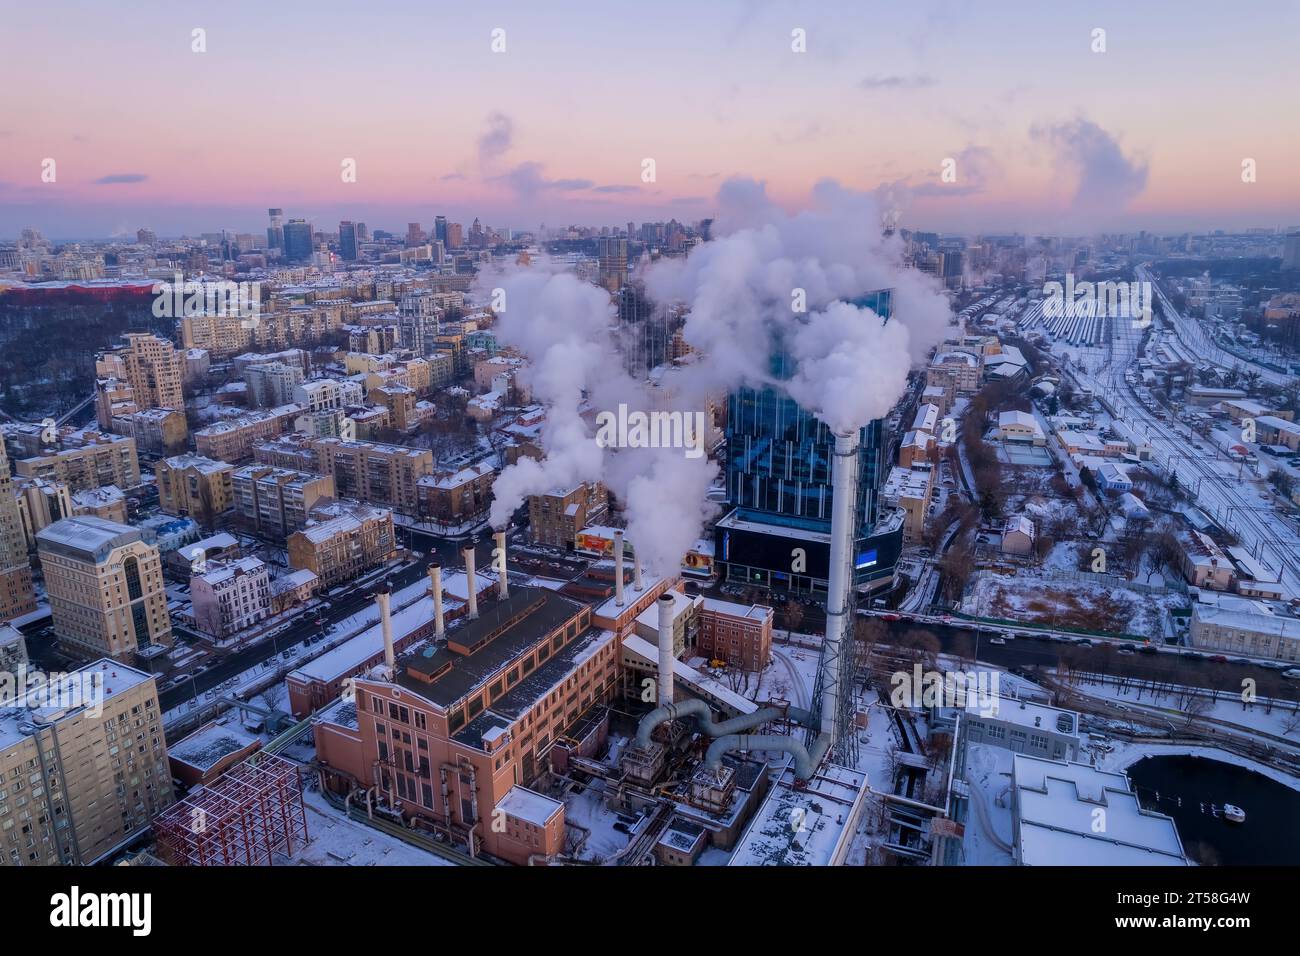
[529, 806]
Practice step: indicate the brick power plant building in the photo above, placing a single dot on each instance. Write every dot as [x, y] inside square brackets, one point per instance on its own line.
[457, 731]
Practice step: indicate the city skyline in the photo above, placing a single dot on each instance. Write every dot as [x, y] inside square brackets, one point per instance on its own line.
[1044, 134]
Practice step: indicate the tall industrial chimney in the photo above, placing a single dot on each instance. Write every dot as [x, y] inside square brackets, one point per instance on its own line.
[471, 582]
[636, 571]
[618, 567]
[666, 655]
[499, 558]
[844, 488]
[383, 599]
[435, 586]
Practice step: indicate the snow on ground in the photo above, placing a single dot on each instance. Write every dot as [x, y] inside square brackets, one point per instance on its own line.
[1070, 602]
[987, 841]
[587, 809]
[337, 840]
[1281, 720]
[1125, 755]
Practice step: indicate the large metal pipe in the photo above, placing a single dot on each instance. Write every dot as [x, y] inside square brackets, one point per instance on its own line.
[618, 567]
[471, 583]
[435, 587]
[666, 655]
[384, 599]
[805, 762]
[844, 483]
[706, 724]
[499, 558]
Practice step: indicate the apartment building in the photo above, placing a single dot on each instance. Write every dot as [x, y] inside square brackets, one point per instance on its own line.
[556, 518]
[342, 540]
[275, 502]
[194, 486]
[157, 431]
[454, 497]
[85, 459]
[232, 440]
[956, 371]
[17, 596]
[327, 394]
[271, 384]
[105, 588]
[909, 489]
[378, 473]
[150, 366]
[83, 767]
[231, 597]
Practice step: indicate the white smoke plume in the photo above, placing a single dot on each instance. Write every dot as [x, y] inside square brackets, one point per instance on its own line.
[849, 366]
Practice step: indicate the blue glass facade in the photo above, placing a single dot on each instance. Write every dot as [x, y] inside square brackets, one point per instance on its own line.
[779, 475]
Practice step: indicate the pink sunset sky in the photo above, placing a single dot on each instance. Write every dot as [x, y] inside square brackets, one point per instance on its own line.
[1047, 135]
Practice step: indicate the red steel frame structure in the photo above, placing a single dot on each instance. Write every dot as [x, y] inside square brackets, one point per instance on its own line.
[247, 816]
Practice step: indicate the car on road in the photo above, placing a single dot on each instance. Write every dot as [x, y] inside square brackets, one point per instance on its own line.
[1083, 642]
[1218, 659]
[997, 640]
[1125, 650]
[1292, 673]
[1148, 649]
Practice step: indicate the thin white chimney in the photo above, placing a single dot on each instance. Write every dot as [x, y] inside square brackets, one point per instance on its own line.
[384, 599]
[636, 571]
[471, 583]
[435, 586]
[666, 655]
[618, 567]
[844, 484]
[499, 558]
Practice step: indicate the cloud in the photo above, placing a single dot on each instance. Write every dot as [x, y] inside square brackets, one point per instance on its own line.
[496, 139]
[529, 181]
[1107, 180]
[914, 81]
[617, 188]
[451, 178]
[115, 179]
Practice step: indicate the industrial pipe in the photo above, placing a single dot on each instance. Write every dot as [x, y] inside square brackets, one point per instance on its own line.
[499, 556]
[666, 656]
[704, 722]
[804, 762]
[439, 621]
[384, 599]
[618, 567]
[471, 583]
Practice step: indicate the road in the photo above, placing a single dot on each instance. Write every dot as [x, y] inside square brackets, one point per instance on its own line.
[1234, 501]
[1198, 343]
[1025, 652]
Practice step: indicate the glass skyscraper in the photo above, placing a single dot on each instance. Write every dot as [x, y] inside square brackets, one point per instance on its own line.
[778, 482]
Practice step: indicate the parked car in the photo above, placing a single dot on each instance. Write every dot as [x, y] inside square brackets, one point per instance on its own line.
[1292, 673]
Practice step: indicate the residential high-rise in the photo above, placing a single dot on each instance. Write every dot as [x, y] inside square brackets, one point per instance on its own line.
[1291, 251]
[779, 460]
[348, 241]
[612, 255]
[275, 232]
[455, 236]
[16, 595]
[152, 368]
[105, 587]
[94, 740]
[297, 240]
[440, 229]
[414, 234]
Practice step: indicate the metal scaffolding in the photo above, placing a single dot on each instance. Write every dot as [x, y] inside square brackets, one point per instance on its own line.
[248, 817]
